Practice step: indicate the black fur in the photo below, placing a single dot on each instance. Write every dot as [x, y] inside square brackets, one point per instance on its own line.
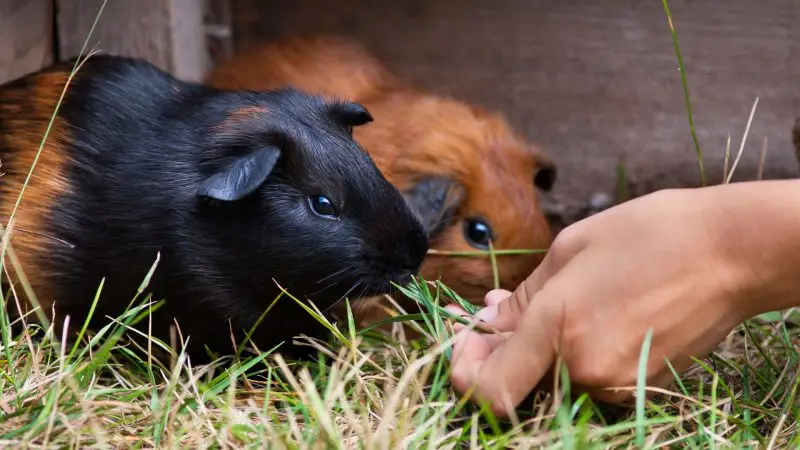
[156, 166]
[242, 176]
[351, 114]
[435, 200]
[545, 177]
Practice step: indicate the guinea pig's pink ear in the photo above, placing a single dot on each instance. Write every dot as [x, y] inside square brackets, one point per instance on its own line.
[546, 174]
[241, 177]
[350, 114]
[435, 200]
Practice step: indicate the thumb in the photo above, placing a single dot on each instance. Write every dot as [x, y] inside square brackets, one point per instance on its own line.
[496, 296]
[505, 308]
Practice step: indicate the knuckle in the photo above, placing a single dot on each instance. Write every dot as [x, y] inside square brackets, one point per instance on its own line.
[665, 194]
[600, 373]
[567, 237]
[566, 243]
[516, 304]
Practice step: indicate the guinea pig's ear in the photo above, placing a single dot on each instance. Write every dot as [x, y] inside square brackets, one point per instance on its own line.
[241, 177]
[546, 174]
[350, 114]
[435, 200]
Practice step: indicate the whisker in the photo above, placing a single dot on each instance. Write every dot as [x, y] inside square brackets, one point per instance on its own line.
[338, 272]
[355, 285]
[329, 285]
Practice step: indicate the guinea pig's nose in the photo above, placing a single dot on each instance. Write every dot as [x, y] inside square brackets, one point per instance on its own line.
[413, 250]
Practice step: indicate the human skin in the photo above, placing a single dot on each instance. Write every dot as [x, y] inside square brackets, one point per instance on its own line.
[689, 264]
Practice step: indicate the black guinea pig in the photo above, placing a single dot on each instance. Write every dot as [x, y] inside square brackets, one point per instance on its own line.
[238, 192]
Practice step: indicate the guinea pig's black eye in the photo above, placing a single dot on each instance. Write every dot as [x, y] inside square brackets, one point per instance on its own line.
[477, 233]
[322, 206]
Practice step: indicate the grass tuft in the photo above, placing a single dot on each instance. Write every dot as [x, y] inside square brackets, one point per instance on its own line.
[376, 390]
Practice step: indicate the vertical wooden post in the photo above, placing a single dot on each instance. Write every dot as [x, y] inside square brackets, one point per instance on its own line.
[168, 33]
[219, 30]
[189, 57]
[26, 37]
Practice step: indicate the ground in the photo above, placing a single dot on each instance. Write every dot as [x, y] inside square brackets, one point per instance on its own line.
[377, 390]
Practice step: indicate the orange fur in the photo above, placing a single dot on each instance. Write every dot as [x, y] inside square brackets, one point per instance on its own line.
[26, 114]
[414, 134]
[241, 115]
[339, 67]
[442, 136]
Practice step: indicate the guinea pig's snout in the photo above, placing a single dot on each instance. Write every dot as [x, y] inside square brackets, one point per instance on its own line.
[409, 252]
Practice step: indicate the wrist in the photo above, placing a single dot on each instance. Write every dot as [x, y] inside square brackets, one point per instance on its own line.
[756, 239]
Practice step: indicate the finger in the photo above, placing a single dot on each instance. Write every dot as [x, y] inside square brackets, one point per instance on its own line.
[496, 296]
[455, 309]
[626, 395]
[469, 349]
[504, 376]
[476, 323]
[475, 345]
[505, 314]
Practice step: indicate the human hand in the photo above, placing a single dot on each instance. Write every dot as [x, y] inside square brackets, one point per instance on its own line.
[659, 261]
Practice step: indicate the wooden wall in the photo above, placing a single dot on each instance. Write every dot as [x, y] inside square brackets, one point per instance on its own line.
[592, 81]
[180, 36]
[26, 36]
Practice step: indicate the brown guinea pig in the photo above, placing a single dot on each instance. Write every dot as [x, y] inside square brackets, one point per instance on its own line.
[327, 65]
[468, 175]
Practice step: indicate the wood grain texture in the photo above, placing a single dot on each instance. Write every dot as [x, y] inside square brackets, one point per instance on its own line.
[188, 47]
[168, 33]
[25, 37]
[593, 82]
[219, 29]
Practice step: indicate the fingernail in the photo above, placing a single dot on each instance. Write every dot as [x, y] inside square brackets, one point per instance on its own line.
[487, 314]
[496, 296]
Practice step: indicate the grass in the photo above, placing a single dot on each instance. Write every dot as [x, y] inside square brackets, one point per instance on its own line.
[371, 388]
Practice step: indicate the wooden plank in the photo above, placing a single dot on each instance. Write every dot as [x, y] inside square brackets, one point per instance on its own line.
[188, 47]
[25, 37]
[168, 33]
[219, 30]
